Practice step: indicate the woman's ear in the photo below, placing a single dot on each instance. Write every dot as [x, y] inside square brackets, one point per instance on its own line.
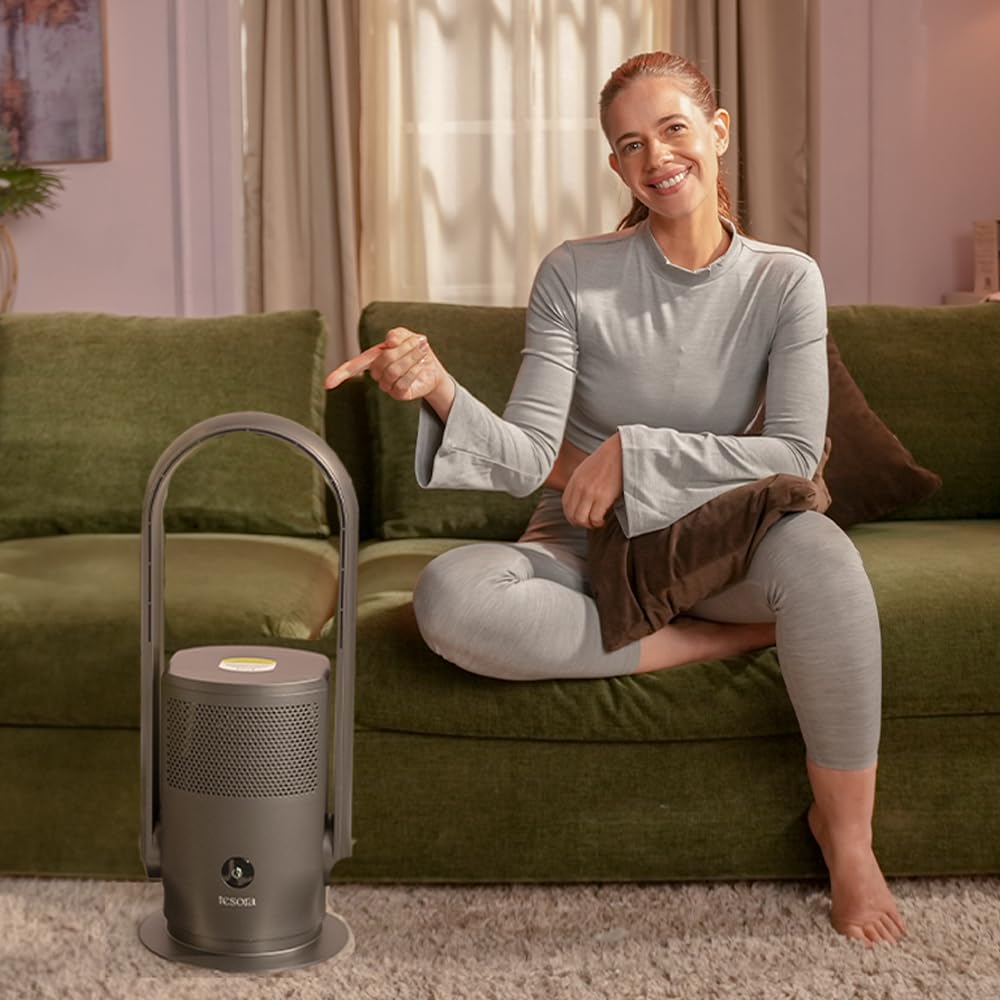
[613, 163]
[720, 125]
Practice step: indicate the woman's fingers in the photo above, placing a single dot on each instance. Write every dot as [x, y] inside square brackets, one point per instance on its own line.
[403, 366]
[593, 518]
[582, 509]
[354, 366]
[389, 362]
[402, 372]
[594, 486]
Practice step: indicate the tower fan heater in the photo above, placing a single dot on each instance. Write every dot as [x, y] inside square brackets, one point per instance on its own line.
[235, 819]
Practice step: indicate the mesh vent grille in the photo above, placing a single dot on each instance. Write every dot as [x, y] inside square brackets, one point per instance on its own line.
[252, 752]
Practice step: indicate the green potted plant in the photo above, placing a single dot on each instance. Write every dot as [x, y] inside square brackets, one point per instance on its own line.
[24, 190]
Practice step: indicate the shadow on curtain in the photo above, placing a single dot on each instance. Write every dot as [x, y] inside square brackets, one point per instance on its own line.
[301, 161]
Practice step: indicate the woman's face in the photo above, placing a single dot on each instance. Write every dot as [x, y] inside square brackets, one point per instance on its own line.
[665, 150]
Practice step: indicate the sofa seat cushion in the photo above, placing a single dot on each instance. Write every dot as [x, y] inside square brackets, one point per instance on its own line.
[69, 613]
[937, 584]
[937, 587]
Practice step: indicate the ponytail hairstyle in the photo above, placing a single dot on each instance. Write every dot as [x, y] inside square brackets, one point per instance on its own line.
[694, 83]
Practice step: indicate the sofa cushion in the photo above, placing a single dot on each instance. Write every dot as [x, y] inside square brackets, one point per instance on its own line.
[937, 589]
[481, 347]
[870, 473]
[404, 687]
[69, 613]
[931, 374]
[88, 403]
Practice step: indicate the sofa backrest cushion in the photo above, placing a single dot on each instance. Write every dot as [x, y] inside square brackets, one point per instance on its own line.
[930, 373]
[88, 402]
[481, 347]
[933, 376]
[870, 473]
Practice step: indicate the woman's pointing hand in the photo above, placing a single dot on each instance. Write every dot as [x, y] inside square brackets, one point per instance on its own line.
[404, 367]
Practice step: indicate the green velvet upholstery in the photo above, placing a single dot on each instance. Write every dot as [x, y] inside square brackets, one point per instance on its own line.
[480, 346]
[936, 583]
[943, 413]
[70, 641]
[477, 810]
[931, 374]
[227, 588]
[937, 586]
[88, 402]
[349, 435]
[694, 773]
[440, 809]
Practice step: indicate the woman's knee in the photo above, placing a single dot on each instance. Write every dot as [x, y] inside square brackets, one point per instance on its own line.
[456, 602]
[807, 553]
[447, 585]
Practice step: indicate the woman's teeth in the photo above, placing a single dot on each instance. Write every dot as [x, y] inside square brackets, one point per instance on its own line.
[670, 181]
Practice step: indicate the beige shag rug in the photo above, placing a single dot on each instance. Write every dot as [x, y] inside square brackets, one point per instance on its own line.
[75, 940]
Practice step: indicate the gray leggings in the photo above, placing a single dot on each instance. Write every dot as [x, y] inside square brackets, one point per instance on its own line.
[522, 611]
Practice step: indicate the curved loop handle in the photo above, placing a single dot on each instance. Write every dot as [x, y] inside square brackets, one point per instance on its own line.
[152, 594]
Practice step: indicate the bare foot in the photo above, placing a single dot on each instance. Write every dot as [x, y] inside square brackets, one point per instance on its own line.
[863, 907]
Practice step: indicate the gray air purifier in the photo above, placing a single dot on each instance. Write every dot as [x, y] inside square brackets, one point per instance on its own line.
[234, 759]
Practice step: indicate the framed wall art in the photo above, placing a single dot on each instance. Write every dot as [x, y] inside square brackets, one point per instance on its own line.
[53, 81]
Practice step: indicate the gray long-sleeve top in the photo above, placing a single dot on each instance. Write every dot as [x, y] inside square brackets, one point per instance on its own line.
[676, 361]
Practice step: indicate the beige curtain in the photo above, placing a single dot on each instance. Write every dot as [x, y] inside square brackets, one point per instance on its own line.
[302, 116]
[755, 52]
[481, 144]
[465, 137]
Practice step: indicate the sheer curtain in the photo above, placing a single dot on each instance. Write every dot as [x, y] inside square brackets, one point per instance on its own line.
[481, 144]
[302, 109]
[436, 150]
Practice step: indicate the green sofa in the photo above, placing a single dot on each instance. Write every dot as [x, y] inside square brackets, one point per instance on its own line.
[694, 773]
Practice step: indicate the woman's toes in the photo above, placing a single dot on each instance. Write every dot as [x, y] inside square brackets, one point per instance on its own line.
[855, 933]
[873, 935]
[886, 930]
[882, 930]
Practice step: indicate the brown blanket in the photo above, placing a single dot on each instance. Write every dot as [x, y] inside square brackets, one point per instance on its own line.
[640, 584]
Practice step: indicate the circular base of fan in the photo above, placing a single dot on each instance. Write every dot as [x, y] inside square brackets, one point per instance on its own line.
[335, 938]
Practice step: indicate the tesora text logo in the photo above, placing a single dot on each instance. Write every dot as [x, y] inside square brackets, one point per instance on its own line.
[237, 901]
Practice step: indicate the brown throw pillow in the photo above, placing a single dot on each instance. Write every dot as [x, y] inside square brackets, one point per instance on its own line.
[641, 584]
[870, 473]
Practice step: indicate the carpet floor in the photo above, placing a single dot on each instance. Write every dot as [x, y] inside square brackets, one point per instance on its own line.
[75, 940]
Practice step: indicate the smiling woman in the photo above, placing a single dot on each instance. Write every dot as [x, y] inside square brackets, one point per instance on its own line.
[648, 352]
[668, 159]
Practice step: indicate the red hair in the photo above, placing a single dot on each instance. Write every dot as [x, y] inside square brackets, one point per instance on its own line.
[695, 84]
